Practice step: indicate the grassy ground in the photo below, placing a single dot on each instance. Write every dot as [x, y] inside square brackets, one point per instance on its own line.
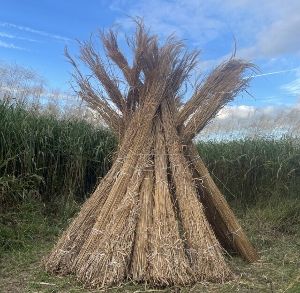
[273, 227]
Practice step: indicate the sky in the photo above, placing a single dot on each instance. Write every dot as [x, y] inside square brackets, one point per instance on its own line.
[33, 33]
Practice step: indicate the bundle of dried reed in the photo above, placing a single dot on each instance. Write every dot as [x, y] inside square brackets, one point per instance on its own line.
[149, 220]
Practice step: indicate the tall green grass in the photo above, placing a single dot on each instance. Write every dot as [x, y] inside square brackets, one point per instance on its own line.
[53, 159]
[47, 158]
[252, 170]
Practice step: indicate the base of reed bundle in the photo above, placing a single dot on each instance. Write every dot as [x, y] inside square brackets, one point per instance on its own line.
[157, 282]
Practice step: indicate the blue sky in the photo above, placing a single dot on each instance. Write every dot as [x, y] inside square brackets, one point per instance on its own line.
[33, 33]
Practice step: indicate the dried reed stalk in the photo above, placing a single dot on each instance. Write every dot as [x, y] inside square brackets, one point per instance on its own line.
[140, 261]
[224, 83]
[105, 256]
[229, 229]
[168, 262]
[62, 256]
[204, 251]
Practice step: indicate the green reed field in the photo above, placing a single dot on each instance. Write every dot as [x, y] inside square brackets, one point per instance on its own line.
[49, 166]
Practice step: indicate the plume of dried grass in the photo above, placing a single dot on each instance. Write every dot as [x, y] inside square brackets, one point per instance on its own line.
[149, 220]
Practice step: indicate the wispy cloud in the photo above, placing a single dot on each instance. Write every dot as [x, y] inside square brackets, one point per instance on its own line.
[35, 31]
[264, 29]
[186, 19]
[11, 46]
[292, 87]
[10, 36]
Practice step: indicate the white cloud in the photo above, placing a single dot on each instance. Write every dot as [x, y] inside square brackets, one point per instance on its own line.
[242, 111]
[292, 87]
[244, 120]
[10, 36]
[188, 19]
[276, 39]
[34, 31]
[262, 28]
[10, 46]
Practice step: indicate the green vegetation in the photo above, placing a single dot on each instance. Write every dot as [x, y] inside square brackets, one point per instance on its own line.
[253, 170]
[48, 167]
[51, 159]
[47, 158]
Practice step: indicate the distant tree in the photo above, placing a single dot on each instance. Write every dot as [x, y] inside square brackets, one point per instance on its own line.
[20, 85]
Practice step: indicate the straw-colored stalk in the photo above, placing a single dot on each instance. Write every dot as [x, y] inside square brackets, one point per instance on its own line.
[140, 261]
[168, 260]
[203, 248]
[226, 226]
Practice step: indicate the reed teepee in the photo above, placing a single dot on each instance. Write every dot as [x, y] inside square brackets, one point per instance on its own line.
[157, 216]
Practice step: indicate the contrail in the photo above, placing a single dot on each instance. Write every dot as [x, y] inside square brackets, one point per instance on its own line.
[274, 72]
[34, 31]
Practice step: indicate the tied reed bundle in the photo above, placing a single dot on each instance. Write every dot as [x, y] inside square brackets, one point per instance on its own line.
[149, 220]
